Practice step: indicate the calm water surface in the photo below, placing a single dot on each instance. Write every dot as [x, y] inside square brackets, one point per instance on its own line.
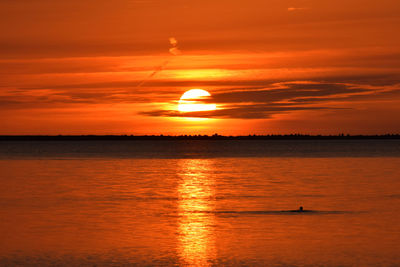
[87, 205]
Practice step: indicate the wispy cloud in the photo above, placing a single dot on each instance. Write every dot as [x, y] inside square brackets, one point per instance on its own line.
[290, 9]
[174, 50]
[281, 98]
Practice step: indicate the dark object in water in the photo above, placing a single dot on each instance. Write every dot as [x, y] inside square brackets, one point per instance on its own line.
[300, 210]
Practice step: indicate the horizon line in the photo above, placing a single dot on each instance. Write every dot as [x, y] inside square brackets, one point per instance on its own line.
[195, 137]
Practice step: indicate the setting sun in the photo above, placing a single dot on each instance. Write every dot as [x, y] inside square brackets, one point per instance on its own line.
[194, 100]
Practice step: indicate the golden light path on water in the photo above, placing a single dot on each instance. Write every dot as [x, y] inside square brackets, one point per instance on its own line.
[196, 191]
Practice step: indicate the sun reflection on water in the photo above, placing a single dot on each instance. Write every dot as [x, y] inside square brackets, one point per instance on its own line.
[196, 191]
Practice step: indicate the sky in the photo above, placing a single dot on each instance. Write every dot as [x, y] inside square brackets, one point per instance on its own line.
[271, 66]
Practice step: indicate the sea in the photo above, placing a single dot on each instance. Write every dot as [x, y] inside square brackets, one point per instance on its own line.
[200, 203]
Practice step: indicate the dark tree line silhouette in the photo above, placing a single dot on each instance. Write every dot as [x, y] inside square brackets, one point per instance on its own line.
[194, 137]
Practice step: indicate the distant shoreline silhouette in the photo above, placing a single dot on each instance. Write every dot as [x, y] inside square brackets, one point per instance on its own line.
[194, 137]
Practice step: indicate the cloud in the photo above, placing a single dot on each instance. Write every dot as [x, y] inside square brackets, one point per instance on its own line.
[297, 8]
[171, 86]
[240, 98]
[279, 98]
[173, 51]
[259, 111]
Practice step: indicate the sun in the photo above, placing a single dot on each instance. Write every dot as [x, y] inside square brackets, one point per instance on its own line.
[195, 100]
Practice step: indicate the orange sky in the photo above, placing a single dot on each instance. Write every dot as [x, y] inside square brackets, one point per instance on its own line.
[104, 67]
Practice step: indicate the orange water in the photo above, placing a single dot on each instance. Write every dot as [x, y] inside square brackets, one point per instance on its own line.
[200, 212]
